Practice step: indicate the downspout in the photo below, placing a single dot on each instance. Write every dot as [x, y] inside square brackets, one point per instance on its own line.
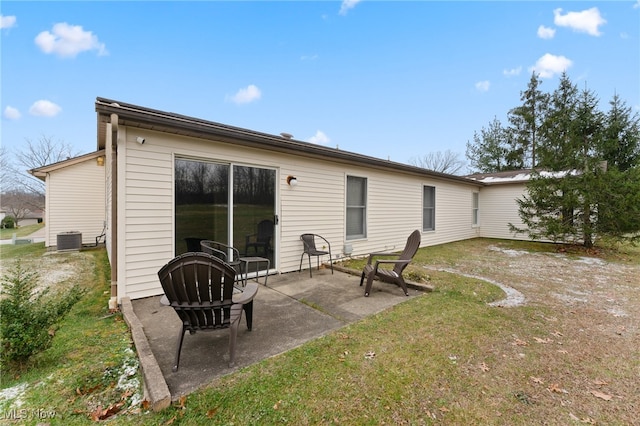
[113, 302]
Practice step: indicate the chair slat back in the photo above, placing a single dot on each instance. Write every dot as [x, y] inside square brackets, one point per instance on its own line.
[410, 250]
[199, 287]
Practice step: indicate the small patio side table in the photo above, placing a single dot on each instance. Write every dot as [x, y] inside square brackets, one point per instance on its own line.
[257, 261]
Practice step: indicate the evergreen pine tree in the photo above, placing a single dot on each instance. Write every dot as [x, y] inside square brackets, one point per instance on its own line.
[526, 121]
[487, 154]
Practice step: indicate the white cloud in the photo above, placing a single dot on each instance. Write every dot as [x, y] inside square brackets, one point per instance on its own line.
[7, 21]
[68, 40]
[11, 113]
[512, 72]
[588, 21]
[545, 32]
[483, 86]
[249, 94]
[549, 65]
[346, 5]
[319, 138]
[44, 108]
[636, 5]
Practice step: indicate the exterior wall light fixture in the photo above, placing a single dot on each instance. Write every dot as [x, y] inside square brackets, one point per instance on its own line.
[100, 161]
[292, 180]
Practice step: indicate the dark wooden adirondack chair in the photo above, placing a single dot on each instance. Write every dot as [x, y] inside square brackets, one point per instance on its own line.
[391, 275]
[200, 288]
[310, 249]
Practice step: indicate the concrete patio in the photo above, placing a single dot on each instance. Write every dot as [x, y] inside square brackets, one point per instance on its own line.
[291, 310]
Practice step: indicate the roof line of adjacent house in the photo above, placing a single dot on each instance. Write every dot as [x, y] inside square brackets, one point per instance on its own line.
[41, 172]
[151, 119]
[502, 178]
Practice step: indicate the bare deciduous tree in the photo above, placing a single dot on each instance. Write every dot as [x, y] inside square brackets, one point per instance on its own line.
[6, 170]
[443, 162]
[43, 152]
[19, 204]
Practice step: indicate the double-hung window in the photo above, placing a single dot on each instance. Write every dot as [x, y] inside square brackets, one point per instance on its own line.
[356, 207]
[475, 209]
[429, 208]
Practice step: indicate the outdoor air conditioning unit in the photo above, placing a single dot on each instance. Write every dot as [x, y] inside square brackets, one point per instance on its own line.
[71, 240]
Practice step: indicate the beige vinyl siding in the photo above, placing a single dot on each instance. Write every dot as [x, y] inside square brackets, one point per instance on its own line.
[75, 201]
[454, 220]
[315, 205]
[498, 208]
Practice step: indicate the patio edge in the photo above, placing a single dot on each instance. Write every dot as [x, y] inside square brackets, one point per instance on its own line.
[155, 386]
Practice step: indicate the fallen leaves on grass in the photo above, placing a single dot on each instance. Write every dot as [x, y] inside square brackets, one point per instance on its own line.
[370, 355]
[519, 342]
[103, 414]
[543, 341]
[601, 395]
[555, 388]
[484, 367]
[537, 380]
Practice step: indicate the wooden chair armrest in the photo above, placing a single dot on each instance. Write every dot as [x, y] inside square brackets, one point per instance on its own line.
[247, 294]
[380, 254]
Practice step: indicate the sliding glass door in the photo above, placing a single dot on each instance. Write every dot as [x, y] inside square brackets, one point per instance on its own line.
[254, 204]
[206, 208]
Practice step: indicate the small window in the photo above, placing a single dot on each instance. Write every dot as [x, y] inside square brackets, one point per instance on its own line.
[356, 207]
[475, 209]
[429, 208]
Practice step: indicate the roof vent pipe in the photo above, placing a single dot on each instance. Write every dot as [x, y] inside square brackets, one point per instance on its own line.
[286, 135]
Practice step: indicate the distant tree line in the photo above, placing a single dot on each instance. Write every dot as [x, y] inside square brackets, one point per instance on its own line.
[585, 163]
[199, 182]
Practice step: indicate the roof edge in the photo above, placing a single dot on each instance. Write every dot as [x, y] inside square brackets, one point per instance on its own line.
[207, 129]
[41, 172]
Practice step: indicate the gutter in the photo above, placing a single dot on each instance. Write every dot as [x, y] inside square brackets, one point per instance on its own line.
[113, 301]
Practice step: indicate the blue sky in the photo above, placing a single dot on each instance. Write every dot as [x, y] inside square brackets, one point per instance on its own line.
[392, 80]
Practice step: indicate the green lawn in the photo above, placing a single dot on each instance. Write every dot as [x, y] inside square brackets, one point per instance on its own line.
[23, 231]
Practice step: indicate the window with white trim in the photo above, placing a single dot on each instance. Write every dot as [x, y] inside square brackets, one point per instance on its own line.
[356, 207]
[476, 208]
[429, 208]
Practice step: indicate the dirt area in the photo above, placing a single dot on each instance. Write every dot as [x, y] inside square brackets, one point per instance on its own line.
[558, 280]
[55, 270]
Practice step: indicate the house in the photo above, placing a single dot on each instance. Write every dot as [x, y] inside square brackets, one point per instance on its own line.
[171, 180]
[74, 197]
[33, 217]
[498, 202]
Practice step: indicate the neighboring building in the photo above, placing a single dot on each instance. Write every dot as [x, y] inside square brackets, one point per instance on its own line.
[74, 197]
[169, 178]
[498, 204]
[32, 218]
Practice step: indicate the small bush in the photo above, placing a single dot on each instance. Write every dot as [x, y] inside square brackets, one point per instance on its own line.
[8, 222]
[27, 316]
